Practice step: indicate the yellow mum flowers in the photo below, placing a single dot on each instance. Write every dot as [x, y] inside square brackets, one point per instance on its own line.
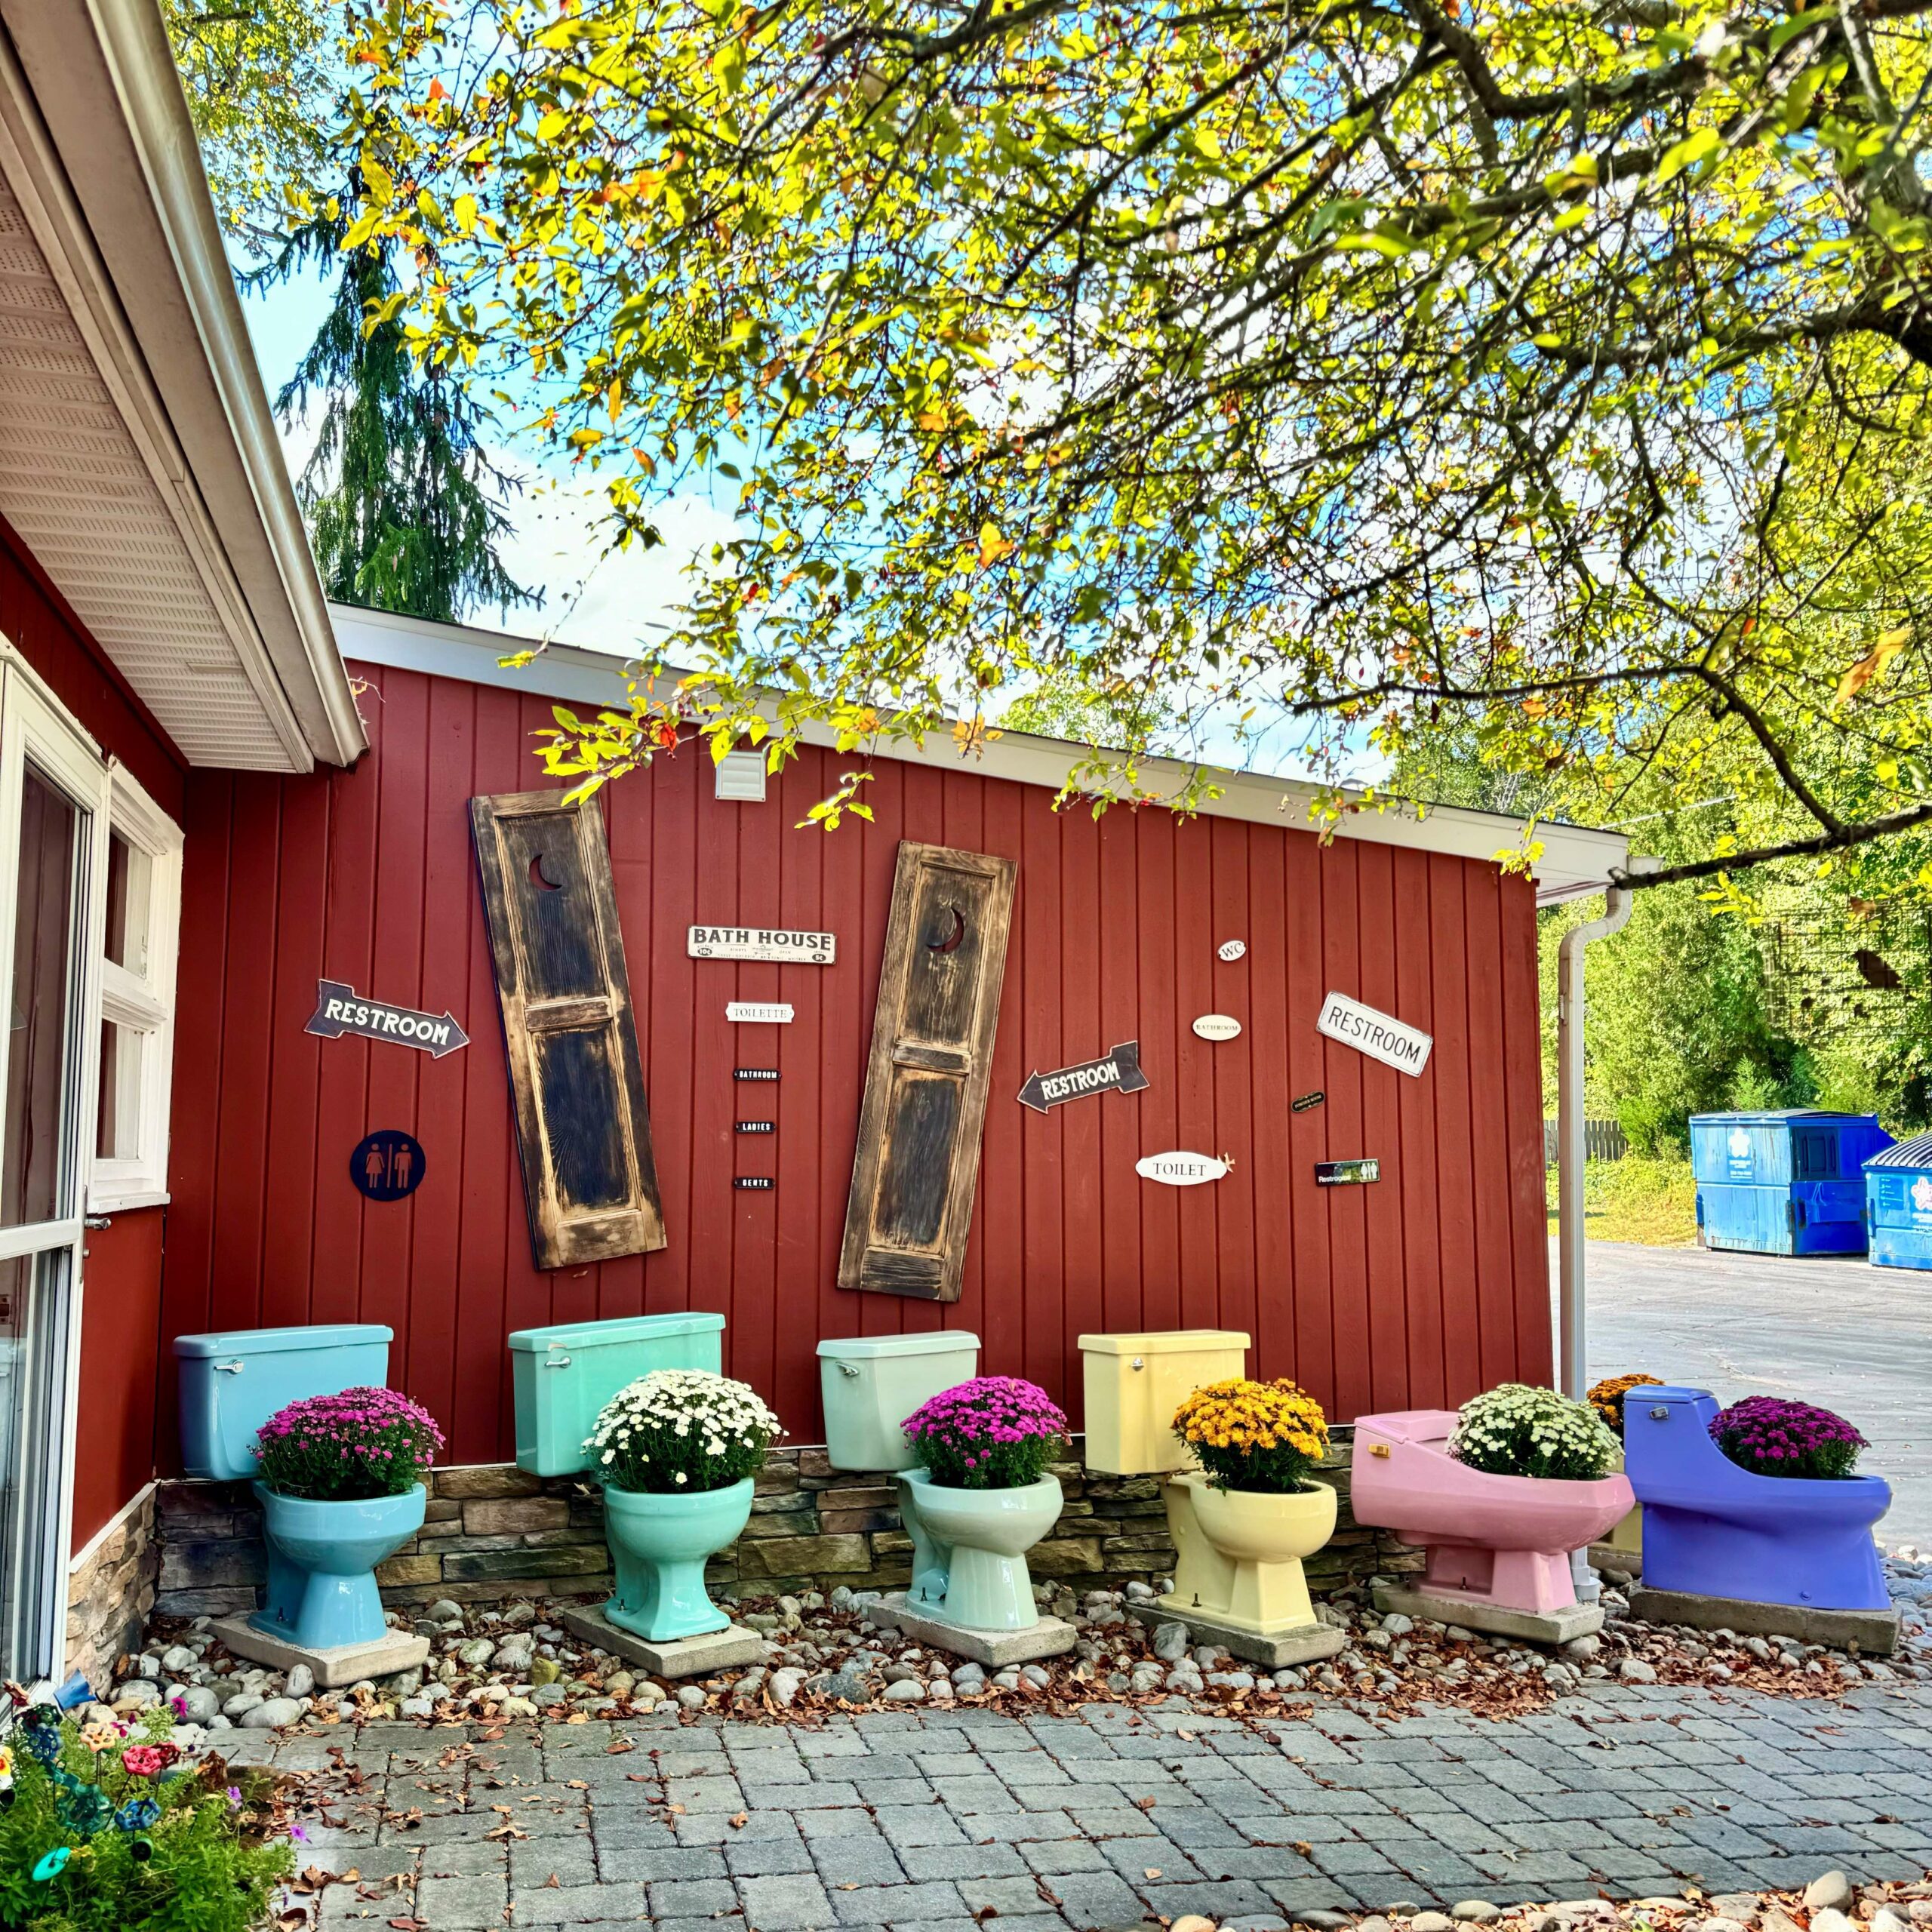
[1254, 1436]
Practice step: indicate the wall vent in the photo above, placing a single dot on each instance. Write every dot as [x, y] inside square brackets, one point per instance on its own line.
[741, 777]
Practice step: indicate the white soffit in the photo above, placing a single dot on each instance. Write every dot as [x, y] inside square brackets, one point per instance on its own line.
[183, 578]
[1575, 860]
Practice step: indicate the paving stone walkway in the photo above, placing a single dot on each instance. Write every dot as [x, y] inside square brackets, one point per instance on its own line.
[940, 1821]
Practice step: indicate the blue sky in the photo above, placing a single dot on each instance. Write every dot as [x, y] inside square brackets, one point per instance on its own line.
[614, 603]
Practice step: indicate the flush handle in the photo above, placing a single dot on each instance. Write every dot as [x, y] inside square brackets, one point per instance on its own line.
[849, 1371]
[1138, 1362]
[229, 1367]
[556, 1361]
[1660, 1415]
[1378, 1448]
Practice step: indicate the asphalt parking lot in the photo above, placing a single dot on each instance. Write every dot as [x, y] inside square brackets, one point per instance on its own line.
[1840, 1332]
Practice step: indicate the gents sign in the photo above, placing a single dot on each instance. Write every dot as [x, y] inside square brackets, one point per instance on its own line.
[760, 943]
[1377, 1035]
[338, 1011]
[1117, 1072]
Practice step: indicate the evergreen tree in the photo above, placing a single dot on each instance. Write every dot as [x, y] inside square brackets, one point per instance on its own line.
[404, 505]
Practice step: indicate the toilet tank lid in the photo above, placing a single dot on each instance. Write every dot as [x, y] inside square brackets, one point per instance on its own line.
[625, 1328]
[872, 1348]
[1163, 1342]
[282, 1341]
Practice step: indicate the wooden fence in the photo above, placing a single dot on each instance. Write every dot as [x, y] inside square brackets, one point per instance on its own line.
[1603, 1140]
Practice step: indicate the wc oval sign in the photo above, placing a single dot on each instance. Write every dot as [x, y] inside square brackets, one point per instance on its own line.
[1181, 1170]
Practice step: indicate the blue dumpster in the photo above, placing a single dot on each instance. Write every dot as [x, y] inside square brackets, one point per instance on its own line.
[1898, 1204]
[1788, 1182]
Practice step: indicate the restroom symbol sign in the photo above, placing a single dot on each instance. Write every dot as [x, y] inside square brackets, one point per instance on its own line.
[1921, 1195]
[387, 1165]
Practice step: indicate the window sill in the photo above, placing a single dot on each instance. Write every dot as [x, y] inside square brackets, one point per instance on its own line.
[124, 1201]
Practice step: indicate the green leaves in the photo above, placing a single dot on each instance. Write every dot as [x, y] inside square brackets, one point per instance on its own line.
[1174, 354]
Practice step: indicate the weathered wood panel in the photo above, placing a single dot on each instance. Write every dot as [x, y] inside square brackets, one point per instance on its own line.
[915, 1171]
[583, 1129]
[291, 880]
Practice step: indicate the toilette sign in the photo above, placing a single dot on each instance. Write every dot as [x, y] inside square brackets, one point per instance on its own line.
[760, 942]
[1379, 1035]
[757, 1013]
[338, 1011]
[1181, 1170]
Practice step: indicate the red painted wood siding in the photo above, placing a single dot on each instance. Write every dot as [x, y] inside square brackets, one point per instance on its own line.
[1416, 1291]
[120, 1279]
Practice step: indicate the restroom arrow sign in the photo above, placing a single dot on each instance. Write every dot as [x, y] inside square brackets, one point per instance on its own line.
[340, 1010]
[1116, 1072]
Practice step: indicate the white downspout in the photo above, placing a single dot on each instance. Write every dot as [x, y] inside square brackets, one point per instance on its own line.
[1573, 1345]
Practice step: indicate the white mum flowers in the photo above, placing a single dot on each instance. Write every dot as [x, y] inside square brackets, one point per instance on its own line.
[1517, 1430]
[680, 1429]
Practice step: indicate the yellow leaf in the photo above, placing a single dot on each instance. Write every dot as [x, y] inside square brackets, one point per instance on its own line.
[1890, 643]
[992, 545]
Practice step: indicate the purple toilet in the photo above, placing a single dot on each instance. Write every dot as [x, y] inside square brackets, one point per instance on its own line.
[1711, 1528]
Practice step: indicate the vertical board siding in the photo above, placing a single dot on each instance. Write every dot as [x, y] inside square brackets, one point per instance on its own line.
[1418, 1290]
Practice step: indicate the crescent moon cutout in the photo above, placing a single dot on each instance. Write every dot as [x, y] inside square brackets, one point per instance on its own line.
[537, 877]
[951, 943]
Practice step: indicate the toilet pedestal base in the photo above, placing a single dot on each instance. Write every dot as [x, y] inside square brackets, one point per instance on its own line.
[1533, 1626]
[339, 1665]
[1047, 1637]
[1301, 1643]
[727, 1649]
[1872, 1632]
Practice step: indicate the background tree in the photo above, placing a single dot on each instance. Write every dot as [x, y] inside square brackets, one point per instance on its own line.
[1389, 365]
[260, 78]
[402, 499]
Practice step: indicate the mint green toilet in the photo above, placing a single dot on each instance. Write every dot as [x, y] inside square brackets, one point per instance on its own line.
[869, 1385]
[562, 1376]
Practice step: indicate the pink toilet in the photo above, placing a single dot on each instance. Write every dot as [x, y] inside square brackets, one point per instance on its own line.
[1501, 1541]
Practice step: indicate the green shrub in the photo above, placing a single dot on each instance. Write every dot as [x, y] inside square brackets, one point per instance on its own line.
[91, 1842]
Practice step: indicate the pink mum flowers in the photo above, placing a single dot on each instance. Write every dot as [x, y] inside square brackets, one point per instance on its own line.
[995, 1431]
[349, 1447]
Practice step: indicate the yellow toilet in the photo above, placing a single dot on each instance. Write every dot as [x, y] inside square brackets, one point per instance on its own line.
[1238, 1581]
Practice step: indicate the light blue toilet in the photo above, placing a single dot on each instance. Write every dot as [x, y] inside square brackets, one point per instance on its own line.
[321, 1595]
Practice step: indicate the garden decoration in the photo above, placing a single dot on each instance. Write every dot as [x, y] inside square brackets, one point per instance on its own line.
[1622, 1548]
[1499, 1492]
[678, 1451]
[983, 1496]
[340, 1483]
[1244, 1521]
[1758, 1504]
[107, 1828]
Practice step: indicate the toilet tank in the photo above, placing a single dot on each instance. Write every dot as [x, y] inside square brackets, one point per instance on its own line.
[562, 1376]
[1134, 1383]
[871, 1383]
[231, 1382]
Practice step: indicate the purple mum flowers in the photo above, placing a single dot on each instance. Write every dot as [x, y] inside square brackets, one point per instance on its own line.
[1772, 1437]
[995, 1431]
[349, 1447]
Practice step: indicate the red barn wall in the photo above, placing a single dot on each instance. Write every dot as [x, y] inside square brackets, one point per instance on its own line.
[1416, 1290]
[121, 1279]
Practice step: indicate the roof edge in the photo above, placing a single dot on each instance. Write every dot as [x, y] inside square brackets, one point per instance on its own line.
[1575, 859]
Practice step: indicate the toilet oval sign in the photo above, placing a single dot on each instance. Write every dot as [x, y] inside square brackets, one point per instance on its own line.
[1181, 1170]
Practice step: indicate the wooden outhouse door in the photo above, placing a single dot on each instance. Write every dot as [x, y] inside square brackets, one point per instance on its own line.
[917, 1166]
[583, 1128]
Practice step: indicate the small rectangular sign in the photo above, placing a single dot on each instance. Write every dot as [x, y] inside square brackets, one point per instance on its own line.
[758, 1127]
[1340, 1173]
[762, 942]
[757, 1013]
[754, 1184]
[1378, 1034]
[754, 1073]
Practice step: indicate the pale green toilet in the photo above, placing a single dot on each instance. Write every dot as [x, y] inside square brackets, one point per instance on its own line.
[870, 1384]
[563, 1375]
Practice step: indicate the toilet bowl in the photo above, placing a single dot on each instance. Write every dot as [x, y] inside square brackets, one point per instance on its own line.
[983, 1535]
[869, 1384]
[1237, 1553]
[1496, 1541]
[1712, 1528]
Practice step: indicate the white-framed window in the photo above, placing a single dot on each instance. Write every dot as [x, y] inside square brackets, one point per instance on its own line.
[139, 939]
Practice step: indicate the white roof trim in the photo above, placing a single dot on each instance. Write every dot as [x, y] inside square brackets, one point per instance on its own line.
[1575, 860]
[119, 203]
